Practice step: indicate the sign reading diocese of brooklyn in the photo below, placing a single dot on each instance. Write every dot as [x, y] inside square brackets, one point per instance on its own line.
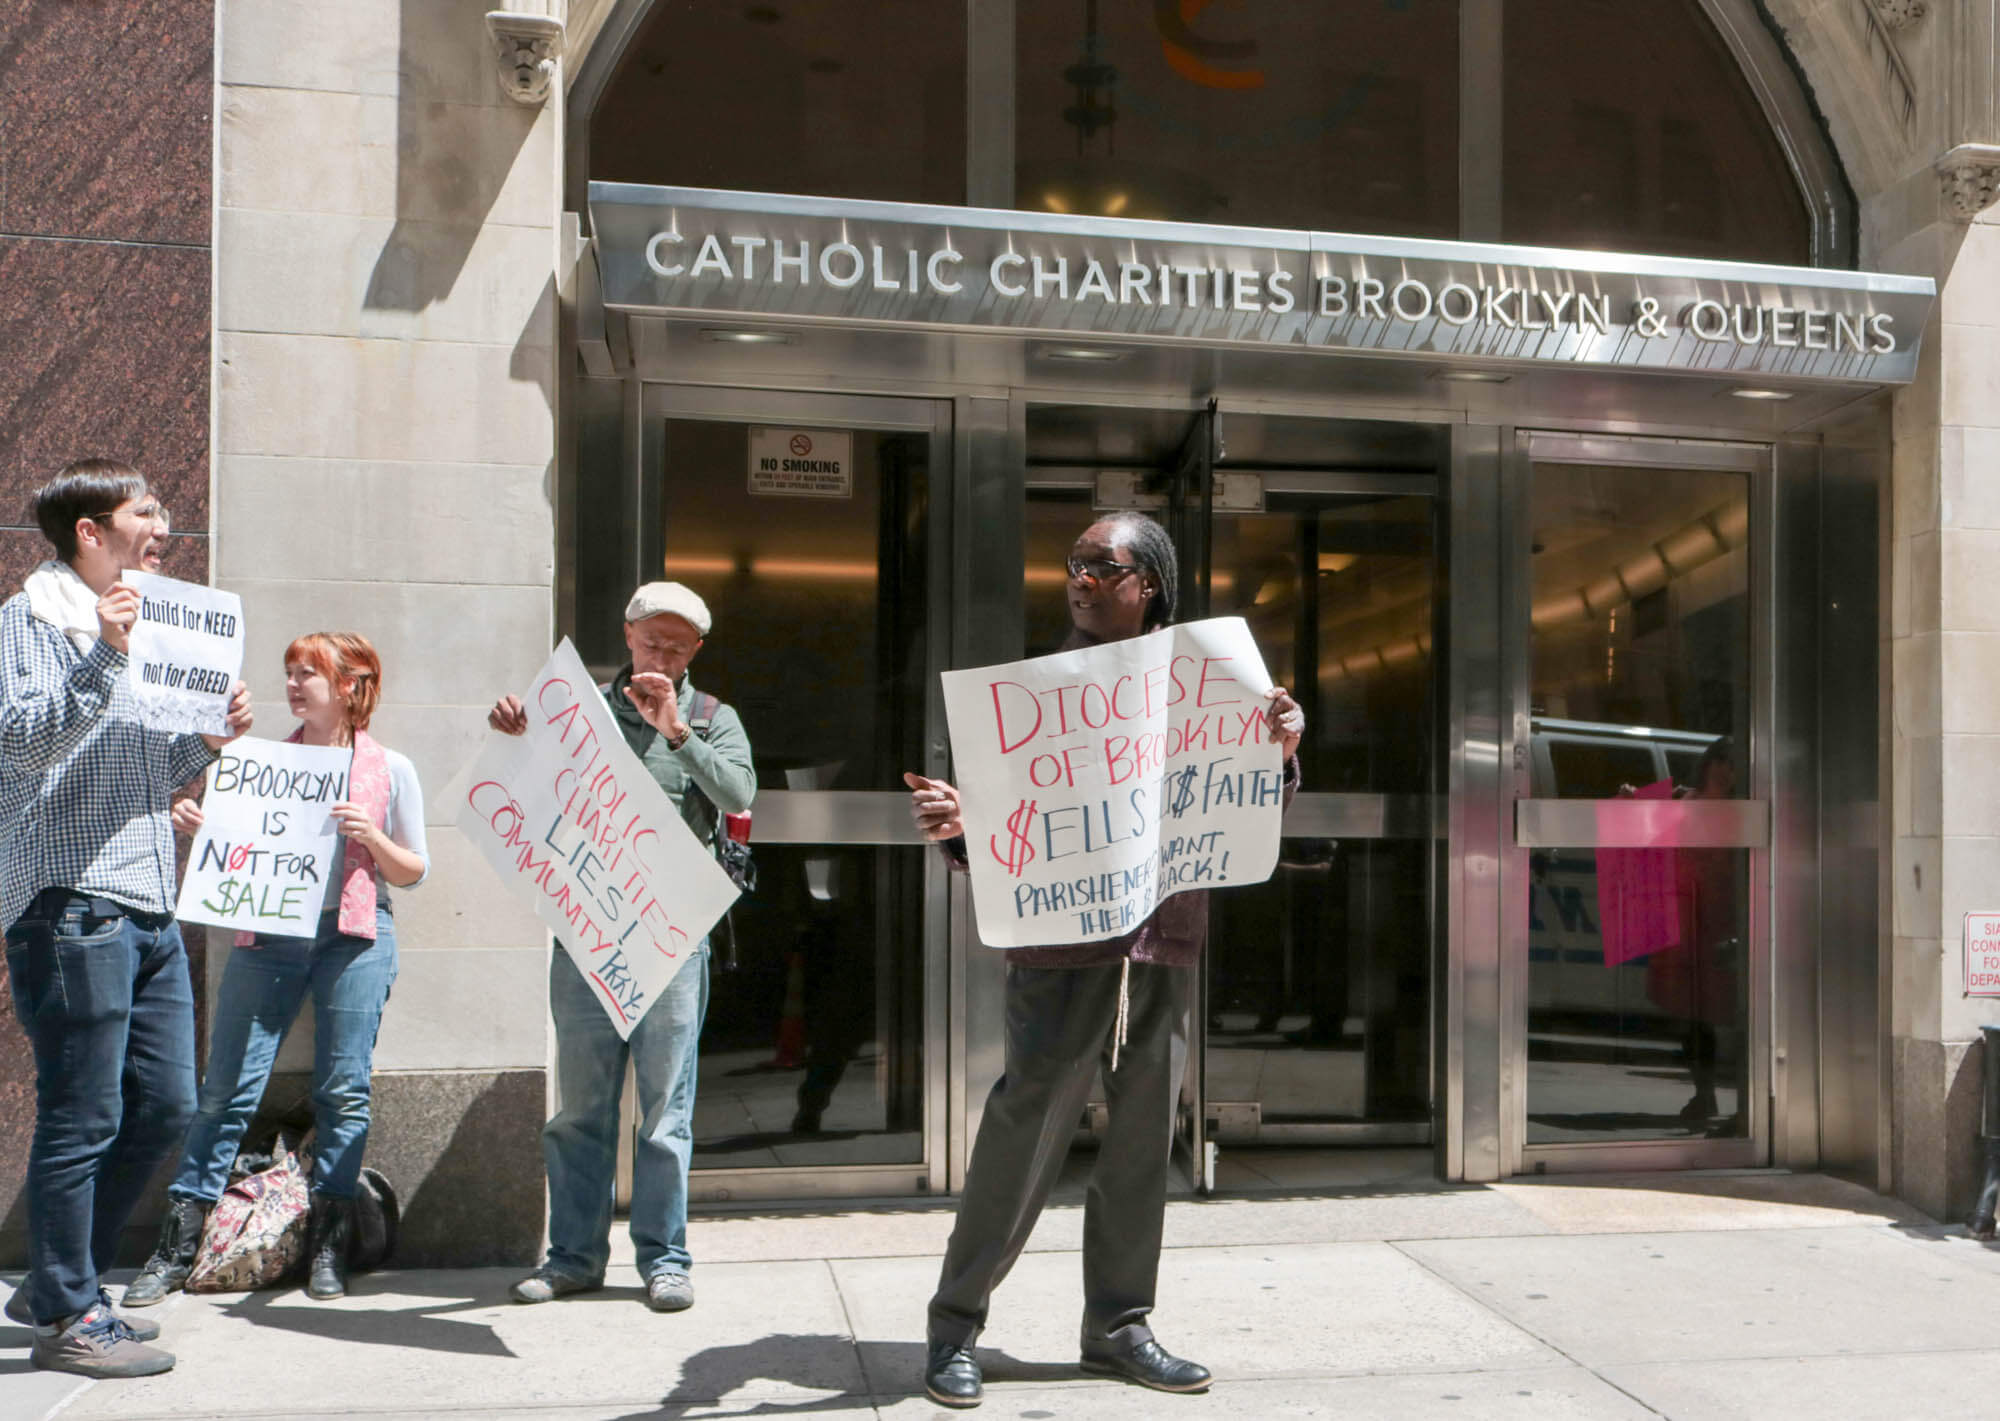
[1097, 782]
[694, 251]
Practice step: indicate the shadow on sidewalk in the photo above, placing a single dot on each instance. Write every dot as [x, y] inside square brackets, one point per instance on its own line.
[806, 1361]
[425, 1327]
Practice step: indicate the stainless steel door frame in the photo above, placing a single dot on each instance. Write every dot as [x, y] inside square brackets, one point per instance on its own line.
[1477, 1081]
[836, 817]
[1753, 832]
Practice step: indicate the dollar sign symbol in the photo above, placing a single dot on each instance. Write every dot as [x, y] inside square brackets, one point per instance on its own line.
[1019, 853]
[1181, 798]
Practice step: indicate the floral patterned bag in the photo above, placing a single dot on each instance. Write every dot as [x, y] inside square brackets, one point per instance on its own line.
[257, 1231]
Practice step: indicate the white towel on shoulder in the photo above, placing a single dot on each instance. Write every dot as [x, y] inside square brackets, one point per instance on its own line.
[64, 600]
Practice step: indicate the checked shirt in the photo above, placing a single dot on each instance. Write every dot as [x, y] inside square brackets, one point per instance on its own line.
[84, 786]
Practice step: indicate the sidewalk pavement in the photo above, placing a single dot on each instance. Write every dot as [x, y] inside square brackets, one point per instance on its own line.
[1762, 1295]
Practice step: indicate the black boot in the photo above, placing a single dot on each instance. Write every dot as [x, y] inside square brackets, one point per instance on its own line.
[173, 1256]
[328, 1230]
[1981, 1223]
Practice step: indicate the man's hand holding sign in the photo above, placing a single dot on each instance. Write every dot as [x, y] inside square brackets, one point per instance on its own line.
[185, 644]
[567, 814]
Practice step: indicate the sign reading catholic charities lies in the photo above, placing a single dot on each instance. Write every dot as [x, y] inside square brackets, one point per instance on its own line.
[568, 816]
[696, 251]
[1097, 782]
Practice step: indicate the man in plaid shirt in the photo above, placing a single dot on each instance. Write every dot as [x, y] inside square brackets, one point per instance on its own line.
[94, 958]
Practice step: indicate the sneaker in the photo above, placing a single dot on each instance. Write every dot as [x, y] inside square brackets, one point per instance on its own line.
[547, 1283]
[670, 1290]
[96, 1344]
[18, 1312]
[141, 1330]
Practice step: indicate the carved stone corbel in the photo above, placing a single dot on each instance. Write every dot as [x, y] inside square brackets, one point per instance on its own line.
[527, 47]
[1971, 177]
[1900, 14]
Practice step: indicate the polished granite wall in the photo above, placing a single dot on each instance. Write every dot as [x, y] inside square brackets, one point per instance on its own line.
[105, 136]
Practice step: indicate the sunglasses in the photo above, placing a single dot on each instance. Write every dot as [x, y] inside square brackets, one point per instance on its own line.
[1099, 569]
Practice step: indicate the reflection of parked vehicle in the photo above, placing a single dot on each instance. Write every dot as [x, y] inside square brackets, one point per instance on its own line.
[1578, 759]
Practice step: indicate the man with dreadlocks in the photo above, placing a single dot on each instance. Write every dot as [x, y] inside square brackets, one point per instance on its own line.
[1062, 1015]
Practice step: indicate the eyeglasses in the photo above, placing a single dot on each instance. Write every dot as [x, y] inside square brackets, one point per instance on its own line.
[153, 512]
[1099, 569]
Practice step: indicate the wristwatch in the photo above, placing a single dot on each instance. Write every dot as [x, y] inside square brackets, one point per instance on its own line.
[673, 744]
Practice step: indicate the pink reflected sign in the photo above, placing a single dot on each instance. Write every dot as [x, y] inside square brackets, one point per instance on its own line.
[1637, 912]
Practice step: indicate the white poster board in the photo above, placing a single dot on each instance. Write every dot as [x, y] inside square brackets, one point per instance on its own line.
[186, 651]
[570, 818]
[802, 463]
[1982, 954]
[268, 846]
[1097, 782]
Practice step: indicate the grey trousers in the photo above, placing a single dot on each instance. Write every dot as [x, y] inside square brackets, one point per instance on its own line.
[1059, 1024]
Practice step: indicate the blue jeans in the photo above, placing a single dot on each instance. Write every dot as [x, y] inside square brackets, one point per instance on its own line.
[108, 1009]
[580, 1145]
[263, 988]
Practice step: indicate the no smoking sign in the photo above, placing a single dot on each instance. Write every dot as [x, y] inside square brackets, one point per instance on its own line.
[802, 463]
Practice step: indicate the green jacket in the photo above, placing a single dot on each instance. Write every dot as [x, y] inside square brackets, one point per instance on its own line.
[720, 763]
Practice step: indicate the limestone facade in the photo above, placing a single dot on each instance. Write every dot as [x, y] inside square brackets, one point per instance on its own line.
[388, 244]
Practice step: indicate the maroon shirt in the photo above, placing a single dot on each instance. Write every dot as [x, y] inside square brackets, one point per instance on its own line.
[1171, 937]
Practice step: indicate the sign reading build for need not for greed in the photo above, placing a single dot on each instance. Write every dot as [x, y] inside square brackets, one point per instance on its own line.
[571, 819]
[268, 845]
[1098, 782]
[186, 651]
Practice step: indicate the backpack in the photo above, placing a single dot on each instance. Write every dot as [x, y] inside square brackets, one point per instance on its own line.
[733, 856]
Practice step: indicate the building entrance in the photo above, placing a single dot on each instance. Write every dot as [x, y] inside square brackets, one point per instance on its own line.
[1316, 1008]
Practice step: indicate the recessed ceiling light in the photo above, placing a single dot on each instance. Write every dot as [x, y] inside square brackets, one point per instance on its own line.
[739, 336]
[1748, 392]
[1473, 377]
[1081, 352]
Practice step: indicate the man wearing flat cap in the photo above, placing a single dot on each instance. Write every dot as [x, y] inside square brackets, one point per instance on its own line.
[694, 746]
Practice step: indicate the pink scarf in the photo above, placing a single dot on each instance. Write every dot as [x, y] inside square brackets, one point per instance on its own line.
[368, 787]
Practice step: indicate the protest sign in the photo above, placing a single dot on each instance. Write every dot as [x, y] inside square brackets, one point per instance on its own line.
[268, 845]
[1097, 782]
[186, 650]
[571, 819]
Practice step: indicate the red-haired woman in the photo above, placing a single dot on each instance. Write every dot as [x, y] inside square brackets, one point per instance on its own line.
[333, 681]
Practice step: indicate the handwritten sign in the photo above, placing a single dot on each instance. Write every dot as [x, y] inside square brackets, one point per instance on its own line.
[1982, 954]
[186, 650]
[570, 818]
[1098, 782]
[268, 845]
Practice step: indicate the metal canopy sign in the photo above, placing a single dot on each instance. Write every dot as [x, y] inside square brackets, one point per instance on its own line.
[692, 251]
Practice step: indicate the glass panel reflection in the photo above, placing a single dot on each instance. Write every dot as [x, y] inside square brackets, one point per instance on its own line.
[1638, 997]
[1340, 117]
[813, 1048]
[1631, 127]
[1319, 979]
[829, 100]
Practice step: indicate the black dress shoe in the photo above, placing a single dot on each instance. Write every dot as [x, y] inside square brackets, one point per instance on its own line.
[1148, 1364]
[951, 1375]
